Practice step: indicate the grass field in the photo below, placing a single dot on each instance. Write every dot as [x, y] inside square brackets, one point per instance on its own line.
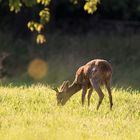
[31, 113]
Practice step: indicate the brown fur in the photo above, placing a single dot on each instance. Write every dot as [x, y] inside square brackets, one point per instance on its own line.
[104, 71]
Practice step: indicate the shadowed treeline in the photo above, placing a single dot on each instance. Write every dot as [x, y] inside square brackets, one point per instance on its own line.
[73, 39]
[64, 53]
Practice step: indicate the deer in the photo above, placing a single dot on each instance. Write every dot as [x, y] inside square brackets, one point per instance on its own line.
[92, 75]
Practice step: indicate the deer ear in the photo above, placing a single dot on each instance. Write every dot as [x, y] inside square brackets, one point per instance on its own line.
[67, 83]
[66, 86]
[63, 85]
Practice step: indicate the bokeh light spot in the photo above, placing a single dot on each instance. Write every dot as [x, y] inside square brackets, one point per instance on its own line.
[37, 69]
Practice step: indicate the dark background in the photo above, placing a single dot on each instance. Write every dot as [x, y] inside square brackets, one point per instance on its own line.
[73, 38]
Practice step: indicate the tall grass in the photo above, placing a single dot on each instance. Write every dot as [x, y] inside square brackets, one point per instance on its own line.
[31, 113]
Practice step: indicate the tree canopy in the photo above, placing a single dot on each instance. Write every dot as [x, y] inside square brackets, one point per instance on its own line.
[44, 12]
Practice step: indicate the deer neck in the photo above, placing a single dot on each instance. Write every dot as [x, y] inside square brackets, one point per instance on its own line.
[73, 88]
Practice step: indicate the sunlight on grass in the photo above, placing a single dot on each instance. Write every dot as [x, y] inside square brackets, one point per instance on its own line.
[31, 113]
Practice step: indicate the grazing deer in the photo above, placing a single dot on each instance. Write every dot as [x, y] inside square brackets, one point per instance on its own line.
[89, 76]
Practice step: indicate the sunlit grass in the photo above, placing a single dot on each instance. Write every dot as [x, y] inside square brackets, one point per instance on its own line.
[31, 113]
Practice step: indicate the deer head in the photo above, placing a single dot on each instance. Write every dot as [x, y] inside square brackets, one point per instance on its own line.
[62, 94]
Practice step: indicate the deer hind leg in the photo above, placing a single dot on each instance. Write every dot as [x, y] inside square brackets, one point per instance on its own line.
[84, 91]
[97, 88]
[107, 85]
[89, 95]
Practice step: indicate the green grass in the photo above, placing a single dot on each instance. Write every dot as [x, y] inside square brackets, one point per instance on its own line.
[31, 113]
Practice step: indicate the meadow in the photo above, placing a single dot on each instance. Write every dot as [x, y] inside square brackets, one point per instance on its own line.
[31, 112]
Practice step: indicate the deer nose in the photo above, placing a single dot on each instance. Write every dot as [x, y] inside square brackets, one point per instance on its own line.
[59, 103]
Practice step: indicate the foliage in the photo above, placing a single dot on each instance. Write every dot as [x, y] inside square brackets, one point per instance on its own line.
[44, 13]
[31, 113]
[91, 6]
[108, 9]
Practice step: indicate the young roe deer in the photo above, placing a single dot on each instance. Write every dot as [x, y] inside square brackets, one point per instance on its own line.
[89, 76]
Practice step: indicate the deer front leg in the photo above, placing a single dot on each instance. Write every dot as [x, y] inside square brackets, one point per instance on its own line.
[107, 84]
[97, 88]
[84, 91]
[89, 95]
